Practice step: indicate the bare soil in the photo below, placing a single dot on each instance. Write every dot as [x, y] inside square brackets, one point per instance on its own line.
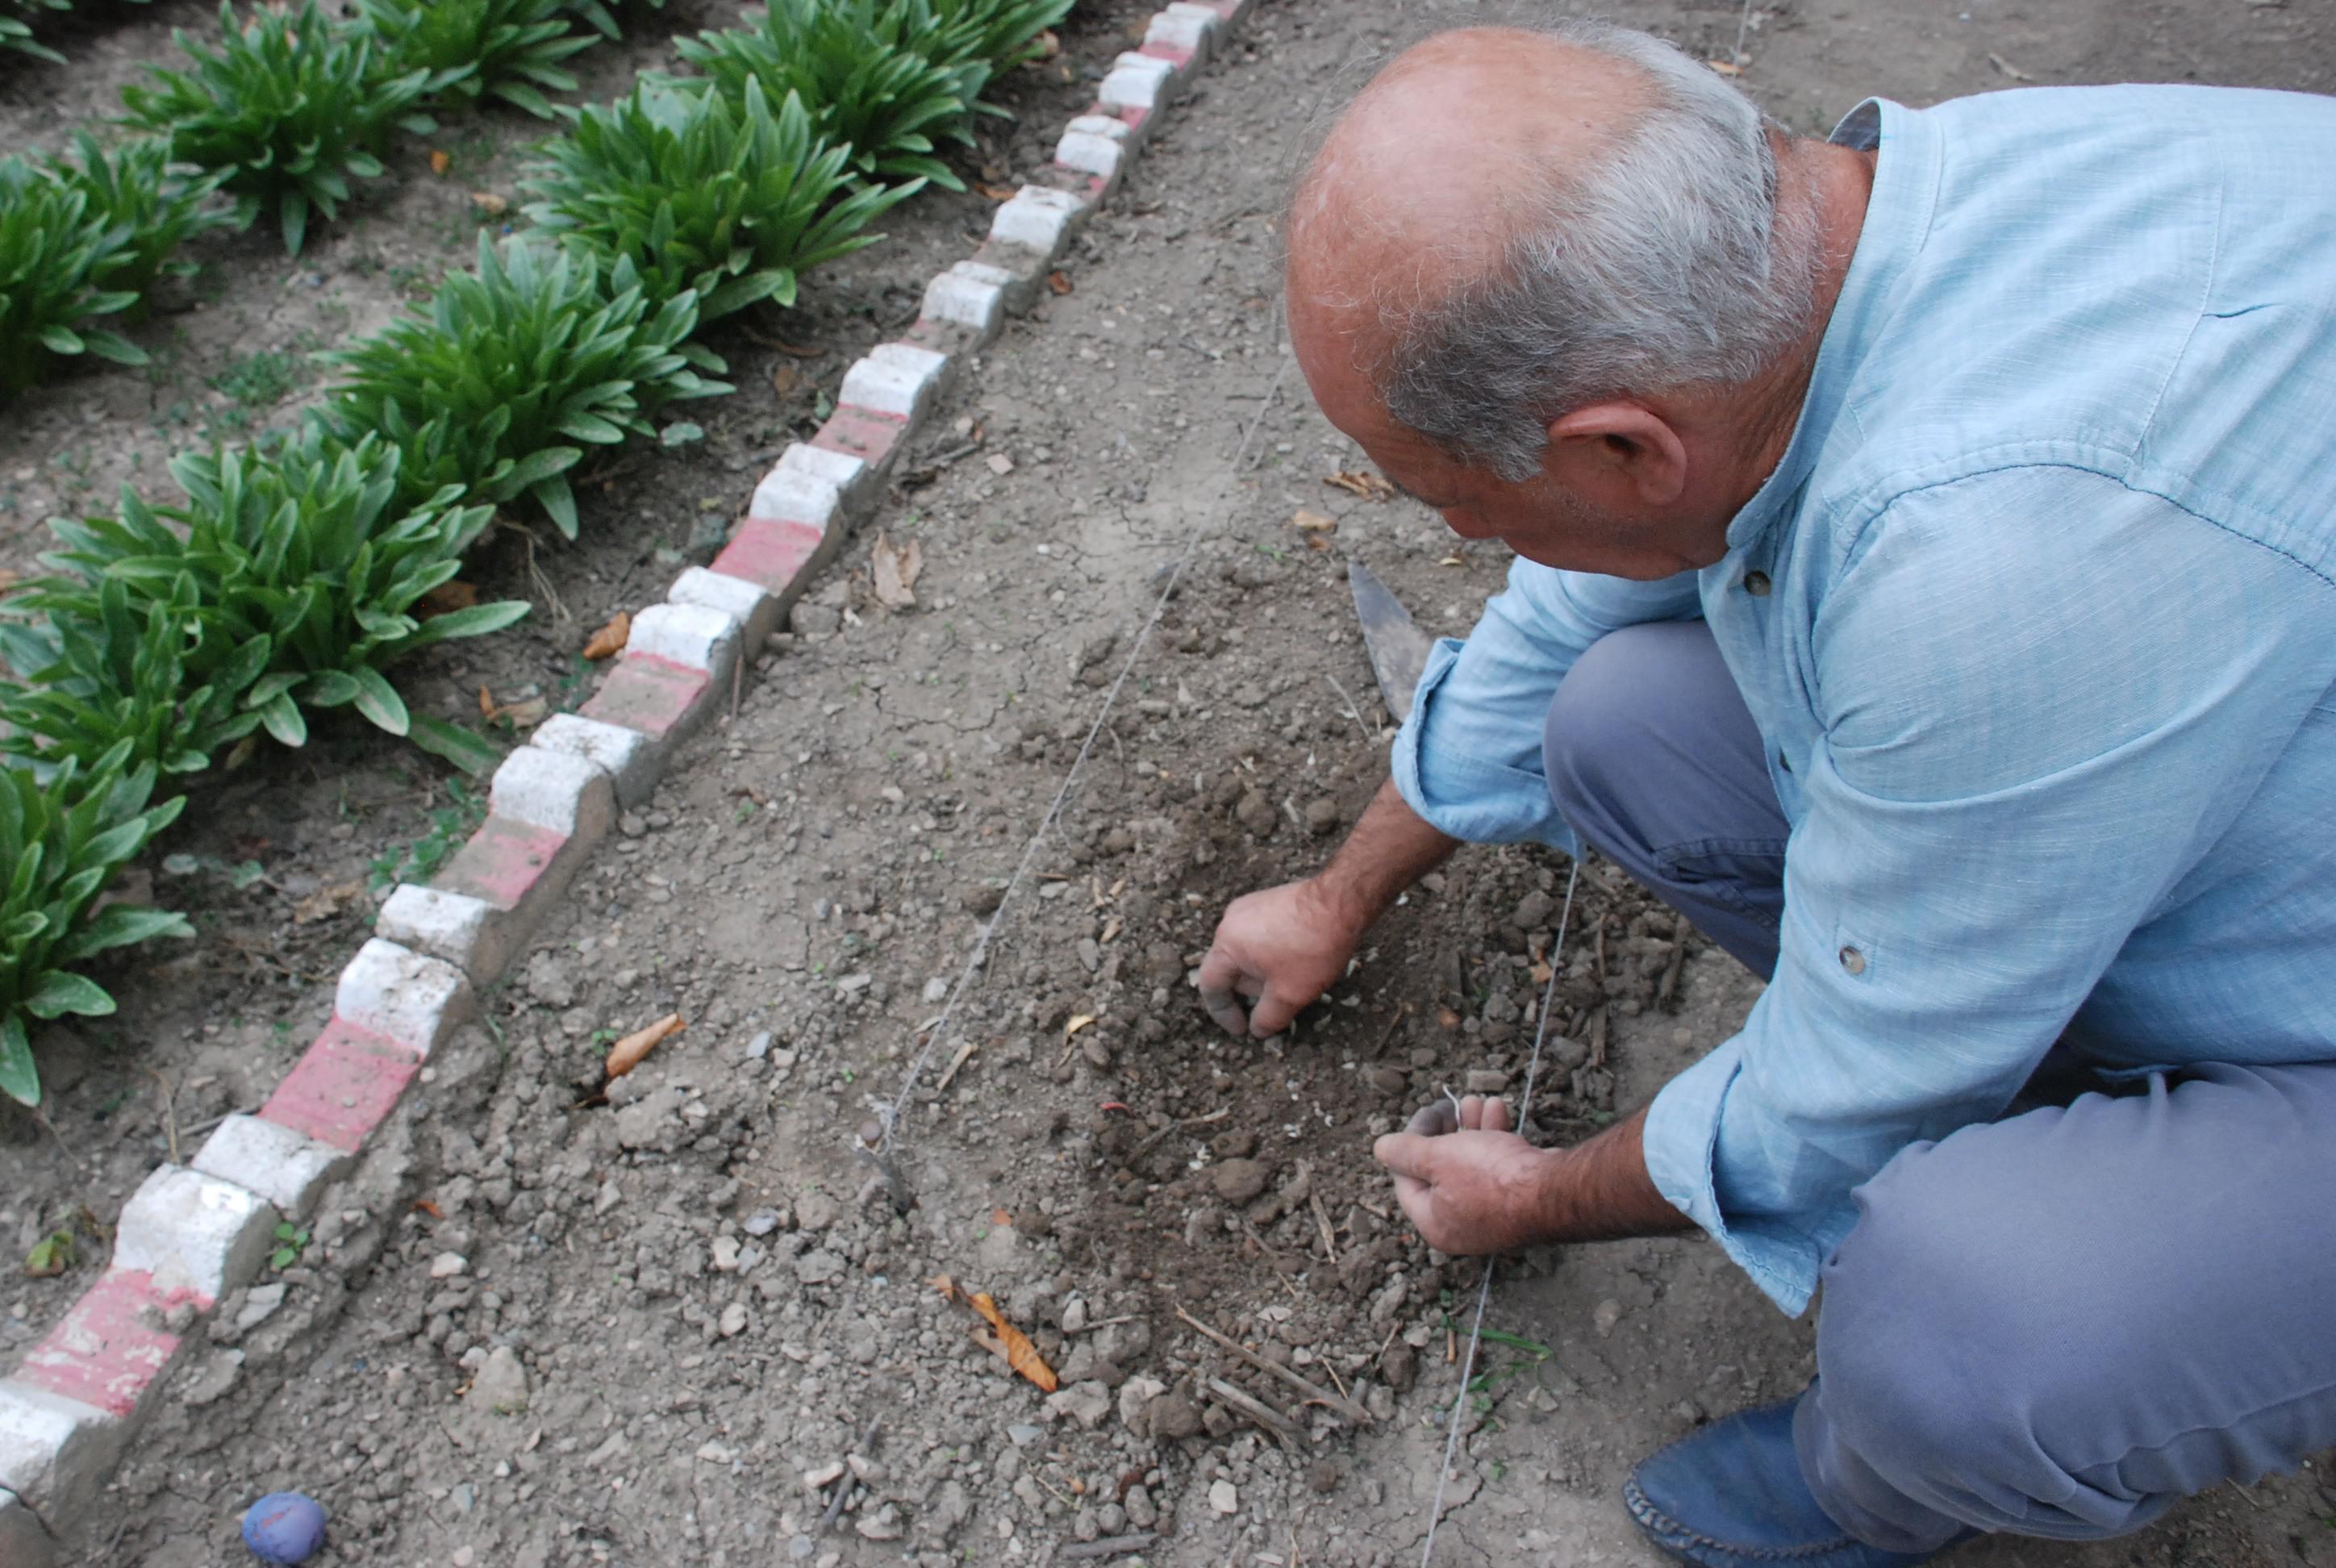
[545, 1325]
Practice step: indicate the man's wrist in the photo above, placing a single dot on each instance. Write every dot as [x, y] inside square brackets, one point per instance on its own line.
[1340, 903]
[1556, 1199]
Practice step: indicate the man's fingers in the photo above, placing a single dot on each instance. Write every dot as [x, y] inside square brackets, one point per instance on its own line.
[1226, 1011]
[1432, 1120]
[1273, 1011]
[1220, 972]
[1407, 1154]
[1496, 1116]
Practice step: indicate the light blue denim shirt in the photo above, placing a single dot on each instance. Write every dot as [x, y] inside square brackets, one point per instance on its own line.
[2048, 667]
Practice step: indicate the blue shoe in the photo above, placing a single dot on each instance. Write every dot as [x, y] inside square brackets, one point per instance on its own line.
[1730, 1496]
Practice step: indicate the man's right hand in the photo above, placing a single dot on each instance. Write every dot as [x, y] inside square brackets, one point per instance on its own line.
[1277, 950]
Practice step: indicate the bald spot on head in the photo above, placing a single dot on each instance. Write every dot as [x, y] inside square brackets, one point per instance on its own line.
[1425, 178]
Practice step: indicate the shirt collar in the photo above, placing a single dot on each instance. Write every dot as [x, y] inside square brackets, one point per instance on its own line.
[1897, 217]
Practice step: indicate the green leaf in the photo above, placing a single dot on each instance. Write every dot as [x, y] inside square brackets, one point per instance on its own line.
[60, 993]
[281, 715]
[472, 620]
[378, 701]
[121, 926]
[330, 689]
[19, 1079]
[114, 346]
[466, 749]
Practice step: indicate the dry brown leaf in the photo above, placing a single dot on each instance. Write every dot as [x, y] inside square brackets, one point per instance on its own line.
[1075, 1025]
[1049, 44]
[1452, 560]
[799, 350]
[1319, 541]
[441, 161]
[786, 380]
[325, 902]
[1314, 522]
[487, 204]
[1725, 67]
[446, 599]
[527, 713]
[488, 707]
[1019, 1353]
[895, 568]
[994, 192]
[1059, 281]
[1000, 1217]
[1362, 482]
[627, 1054]
[945, 1285]
[611, 639]
[429, 1208]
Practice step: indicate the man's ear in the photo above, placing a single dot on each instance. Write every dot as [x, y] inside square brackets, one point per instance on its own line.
[1618, 455]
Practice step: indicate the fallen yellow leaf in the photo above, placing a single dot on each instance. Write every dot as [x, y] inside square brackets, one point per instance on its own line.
[1075, 1025]
[611, 639]
[627, 1054]
[1014, 1344]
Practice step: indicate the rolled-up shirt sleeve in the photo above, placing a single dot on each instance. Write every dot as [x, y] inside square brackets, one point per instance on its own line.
[1468, 759]
[2042, 698]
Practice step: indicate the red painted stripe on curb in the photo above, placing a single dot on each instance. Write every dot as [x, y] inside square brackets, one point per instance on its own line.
[770, 552]
[862, 432]
[110, 1348]
[500, 862]
[647, 693]
[1179, 58]
[345, 1085]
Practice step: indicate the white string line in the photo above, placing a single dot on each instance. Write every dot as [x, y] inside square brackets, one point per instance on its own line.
[1485, 1290]
[1743, 21]
[890, 1113]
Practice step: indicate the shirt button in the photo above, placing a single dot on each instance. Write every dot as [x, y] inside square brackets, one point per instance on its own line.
[1853, 960]
[1756, 583]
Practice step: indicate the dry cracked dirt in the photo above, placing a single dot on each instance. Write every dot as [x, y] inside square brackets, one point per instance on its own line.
[541, 1327]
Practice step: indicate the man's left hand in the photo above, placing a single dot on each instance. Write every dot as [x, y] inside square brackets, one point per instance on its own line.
[1469, 1183]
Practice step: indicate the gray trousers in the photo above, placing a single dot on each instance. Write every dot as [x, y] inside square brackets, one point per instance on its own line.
[2055, 1324]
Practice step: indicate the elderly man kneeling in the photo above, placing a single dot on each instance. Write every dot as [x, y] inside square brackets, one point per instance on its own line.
[1928, 586]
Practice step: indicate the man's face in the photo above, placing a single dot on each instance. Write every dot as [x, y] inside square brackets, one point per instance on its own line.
[1544, 518]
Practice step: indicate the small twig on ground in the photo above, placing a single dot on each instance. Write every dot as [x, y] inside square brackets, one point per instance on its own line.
[851, 1480]
[1338, 1402]
[1144, 1147]
[963, 1055]
[1111, 1546]
[1264, 1415]
[1669, 987]
[737, 680]
[1353, 712]
[1322, 1218]
[1102, 1323]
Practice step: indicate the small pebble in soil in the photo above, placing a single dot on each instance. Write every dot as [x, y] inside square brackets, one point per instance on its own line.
[284, 1527]
[1239, 1181]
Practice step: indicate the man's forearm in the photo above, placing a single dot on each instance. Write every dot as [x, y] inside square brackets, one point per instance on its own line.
[1391, 848]
[1600, 1191]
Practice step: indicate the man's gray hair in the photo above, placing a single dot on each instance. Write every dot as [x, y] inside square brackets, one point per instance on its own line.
[1660, 265]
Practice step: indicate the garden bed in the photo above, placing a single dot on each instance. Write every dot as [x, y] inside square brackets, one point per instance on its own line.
[280, 863]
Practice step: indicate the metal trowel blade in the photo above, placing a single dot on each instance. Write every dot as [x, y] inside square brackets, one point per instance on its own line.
[1398, 648]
